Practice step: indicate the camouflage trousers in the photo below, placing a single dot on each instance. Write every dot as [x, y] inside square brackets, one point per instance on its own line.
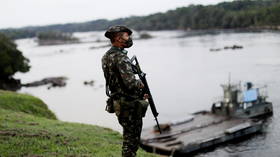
[132, 127]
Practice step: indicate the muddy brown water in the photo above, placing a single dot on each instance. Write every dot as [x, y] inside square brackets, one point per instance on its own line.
[184, 77]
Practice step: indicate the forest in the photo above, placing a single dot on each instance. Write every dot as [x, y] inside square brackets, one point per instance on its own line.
[252, 14]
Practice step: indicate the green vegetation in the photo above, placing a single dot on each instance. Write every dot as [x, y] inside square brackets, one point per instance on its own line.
[19, 33]
[11, 59]
[55, 37]
[28, 128]
[24, 103]
[145, 36]
[236, 14]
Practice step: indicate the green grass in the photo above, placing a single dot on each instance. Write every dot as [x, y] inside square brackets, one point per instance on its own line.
[30, 133]
[25, 103]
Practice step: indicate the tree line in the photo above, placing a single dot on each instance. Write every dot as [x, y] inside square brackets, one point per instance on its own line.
[225, 15]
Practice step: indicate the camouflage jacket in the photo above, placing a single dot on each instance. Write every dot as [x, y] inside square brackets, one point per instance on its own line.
[119, 74]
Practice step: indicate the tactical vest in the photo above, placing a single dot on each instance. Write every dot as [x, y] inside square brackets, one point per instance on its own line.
[114, 83]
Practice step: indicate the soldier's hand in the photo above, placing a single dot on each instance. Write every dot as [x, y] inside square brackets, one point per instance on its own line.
[146, 96]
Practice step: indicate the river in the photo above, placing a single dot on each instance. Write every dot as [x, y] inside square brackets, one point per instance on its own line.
[183, 74]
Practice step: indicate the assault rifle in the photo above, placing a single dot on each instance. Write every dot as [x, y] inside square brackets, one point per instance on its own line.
[136, 69]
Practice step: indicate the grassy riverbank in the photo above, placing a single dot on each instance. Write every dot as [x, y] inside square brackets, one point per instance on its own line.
[29, 128]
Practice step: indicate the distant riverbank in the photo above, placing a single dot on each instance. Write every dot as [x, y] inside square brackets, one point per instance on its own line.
[224, 15]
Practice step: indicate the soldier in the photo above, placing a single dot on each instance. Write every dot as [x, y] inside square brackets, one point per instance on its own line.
[123, 88]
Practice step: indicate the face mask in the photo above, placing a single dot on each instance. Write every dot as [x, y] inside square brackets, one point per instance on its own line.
[128, 43]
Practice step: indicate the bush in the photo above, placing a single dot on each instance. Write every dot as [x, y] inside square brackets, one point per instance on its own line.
[11, 59]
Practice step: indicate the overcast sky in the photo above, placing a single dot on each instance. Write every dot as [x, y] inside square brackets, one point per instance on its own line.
[18, 13]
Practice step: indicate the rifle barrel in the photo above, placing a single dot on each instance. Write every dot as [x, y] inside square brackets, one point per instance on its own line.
[142, 77]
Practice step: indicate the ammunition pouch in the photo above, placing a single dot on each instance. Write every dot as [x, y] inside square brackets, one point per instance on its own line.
[125, 107]
[110, 105]
[142, 106]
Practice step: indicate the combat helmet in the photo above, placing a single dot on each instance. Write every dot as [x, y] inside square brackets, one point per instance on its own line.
[116, 29]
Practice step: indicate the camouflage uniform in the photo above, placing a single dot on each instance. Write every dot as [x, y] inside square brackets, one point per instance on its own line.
[125, 90]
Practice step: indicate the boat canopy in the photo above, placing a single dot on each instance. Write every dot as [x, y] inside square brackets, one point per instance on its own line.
[250, 95]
